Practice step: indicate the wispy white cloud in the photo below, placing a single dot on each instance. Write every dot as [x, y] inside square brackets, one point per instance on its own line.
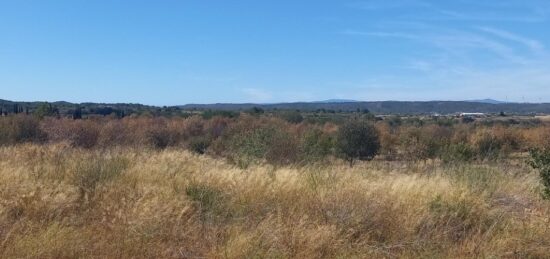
[519, 70]
[532, 44]
[525, 84]
[468, 52]
[454, 42]
[514, 11]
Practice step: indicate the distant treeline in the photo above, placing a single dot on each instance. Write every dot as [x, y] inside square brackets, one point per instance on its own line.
[391, 107]
[66, 109]
[385, 107]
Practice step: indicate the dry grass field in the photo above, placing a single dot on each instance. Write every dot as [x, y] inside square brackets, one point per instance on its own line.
[62, 202]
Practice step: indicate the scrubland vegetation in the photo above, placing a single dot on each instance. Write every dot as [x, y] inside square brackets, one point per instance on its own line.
[264, 186]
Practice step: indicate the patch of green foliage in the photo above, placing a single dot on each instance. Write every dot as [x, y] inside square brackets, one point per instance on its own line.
[358, 139]
[540, 160]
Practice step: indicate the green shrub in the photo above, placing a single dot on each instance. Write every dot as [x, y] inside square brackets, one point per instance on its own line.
[159, 137]
[540, 160]
[46, 109]
[20, 129]
[199, 145]
[414, 145]
[460, 152]
[316, 145]
[268, 142]
[487, 145]
[209, 114]
[255, 111]
[292, 116]
[358, 139]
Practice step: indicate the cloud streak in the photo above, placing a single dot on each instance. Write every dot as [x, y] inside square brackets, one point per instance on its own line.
[465, 54]
[534, 45]
[513, 11]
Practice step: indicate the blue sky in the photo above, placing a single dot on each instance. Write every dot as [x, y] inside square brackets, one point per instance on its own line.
[175, 52]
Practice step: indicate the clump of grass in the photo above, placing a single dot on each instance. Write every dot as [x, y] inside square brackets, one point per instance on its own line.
[210, 201]
[53, 241]
[456, 218]
[94, 171]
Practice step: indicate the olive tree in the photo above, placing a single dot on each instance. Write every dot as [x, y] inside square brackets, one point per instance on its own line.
[358, 139]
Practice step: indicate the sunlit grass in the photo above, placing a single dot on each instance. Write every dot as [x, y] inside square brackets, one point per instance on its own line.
[61, 202]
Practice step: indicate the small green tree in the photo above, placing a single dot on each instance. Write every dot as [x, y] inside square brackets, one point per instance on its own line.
[358, 139]
[315, 145]
[292, 116]
[255, 111]
[44, 110]
[540, 160]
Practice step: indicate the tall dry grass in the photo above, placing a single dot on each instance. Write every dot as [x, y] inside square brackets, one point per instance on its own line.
[57, 201]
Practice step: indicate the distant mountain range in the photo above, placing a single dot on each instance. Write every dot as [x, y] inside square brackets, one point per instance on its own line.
[336, 105]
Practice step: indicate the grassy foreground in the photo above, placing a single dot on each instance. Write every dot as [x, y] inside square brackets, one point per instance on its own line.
[62, 202]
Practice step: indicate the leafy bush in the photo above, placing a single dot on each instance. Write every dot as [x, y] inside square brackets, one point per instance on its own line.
[118, 133]
[414, 145]
[267, 142]
[209, 114]
[389, 140]
[85, 134]
[422, 143]
[540, 160]
[20, 129]
[158, 136]
[460, 152]
[487, 146]
[199, 145]
[316, 145]
[358, 139]
[255, 111]
[46, 109]
[292, 116]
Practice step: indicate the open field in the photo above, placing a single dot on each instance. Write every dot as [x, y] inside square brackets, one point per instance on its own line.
[275, 185]
[62, 202]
